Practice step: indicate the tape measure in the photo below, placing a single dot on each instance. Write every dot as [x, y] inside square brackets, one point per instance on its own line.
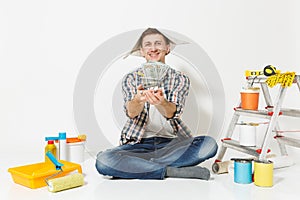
[270, 70]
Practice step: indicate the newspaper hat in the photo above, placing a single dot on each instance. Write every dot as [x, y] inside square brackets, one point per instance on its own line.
[171, 41]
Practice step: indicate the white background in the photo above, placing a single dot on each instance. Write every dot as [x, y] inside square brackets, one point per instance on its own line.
[43, 45]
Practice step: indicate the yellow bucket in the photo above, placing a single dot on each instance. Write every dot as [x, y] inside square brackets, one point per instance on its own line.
[263, 173]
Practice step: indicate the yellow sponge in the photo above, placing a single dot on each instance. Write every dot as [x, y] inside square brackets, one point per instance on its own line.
[65, 182]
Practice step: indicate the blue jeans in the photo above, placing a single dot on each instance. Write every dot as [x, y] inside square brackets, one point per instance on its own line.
[150, 158]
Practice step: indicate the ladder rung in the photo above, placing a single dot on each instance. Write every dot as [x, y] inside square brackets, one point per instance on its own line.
[288, 141]
[290, 112]
[254, 113]
[235, 145]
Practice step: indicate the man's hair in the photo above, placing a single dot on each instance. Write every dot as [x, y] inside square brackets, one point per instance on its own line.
[151, 31]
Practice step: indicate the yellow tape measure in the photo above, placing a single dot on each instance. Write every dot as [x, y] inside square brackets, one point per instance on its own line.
[270, 70]
[285, 79]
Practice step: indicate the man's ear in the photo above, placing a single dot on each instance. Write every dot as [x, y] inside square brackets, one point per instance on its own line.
[168, 49]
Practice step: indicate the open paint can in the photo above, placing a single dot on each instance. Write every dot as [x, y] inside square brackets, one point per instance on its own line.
[242, 170]
[250, 98]
[263, 173]
[76, 151]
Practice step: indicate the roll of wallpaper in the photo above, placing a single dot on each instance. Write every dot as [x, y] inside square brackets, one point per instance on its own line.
[221, 167]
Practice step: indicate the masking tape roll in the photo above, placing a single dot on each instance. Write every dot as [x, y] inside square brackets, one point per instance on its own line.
[221, 167]
[263, 173]
[65, 182]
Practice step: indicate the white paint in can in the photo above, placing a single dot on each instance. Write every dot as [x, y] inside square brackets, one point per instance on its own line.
[76, 152]
[247, 135]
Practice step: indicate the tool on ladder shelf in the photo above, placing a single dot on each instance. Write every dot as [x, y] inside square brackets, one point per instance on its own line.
[266, 79]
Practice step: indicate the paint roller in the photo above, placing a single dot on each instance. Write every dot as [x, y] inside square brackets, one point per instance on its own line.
[65, 182]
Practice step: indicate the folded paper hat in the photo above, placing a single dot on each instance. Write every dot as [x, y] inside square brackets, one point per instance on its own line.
[172, 41]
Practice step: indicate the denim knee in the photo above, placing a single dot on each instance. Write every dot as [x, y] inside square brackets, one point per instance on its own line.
[208, 147]
[211, 142]
[102, 161]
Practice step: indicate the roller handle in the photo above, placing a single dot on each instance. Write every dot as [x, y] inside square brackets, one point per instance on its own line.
[57, 164]
[51, 138]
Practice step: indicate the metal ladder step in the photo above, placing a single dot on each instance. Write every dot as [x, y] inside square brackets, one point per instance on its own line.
[290, 112]
[289, 141]
[268, 113]
[233, 144]
[254, 113]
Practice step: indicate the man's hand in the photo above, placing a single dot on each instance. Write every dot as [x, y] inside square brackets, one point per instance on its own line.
[156, 98]
[136, 105]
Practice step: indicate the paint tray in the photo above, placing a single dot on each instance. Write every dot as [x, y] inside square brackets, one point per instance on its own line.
[34, 175]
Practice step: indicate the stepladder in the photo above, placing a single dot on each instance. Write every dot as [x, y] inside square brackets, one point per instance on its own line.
[271, 114]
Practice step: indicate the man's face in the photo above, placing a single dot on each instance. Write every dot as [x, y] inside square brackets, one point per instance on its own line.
[154, 48]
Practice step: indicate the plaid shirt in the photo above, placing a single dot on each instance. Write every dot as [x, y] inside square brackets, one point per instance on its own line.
[176, 88]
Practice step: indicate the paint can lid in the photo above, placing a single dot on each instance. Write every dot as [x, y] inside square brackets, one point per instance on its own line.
[263, 161]
[250, 90]
[242, 160]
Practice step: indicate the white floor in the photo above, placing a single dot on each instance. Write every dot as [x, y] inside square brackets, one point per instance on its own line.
[285, 186]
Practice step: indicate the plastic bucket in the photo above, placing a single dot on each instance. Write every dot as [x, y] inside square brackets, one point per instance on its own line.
[75, 152]
[247, 135]
[250, 99]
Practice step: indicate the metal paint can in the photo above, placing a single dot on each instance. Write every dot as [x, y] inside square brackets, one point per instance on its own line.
[242, 170]
[250, 98]
[263, 173]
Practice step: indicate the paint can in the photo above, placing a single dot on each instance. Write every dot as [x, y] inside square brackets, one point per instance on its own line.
[250, 98]
[76, 152]
[263, 173]
[242, 170]
[247, 135]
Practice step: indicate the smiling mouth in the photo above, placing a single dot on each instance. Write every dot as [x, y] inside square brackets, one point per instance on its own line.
[154, 53]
